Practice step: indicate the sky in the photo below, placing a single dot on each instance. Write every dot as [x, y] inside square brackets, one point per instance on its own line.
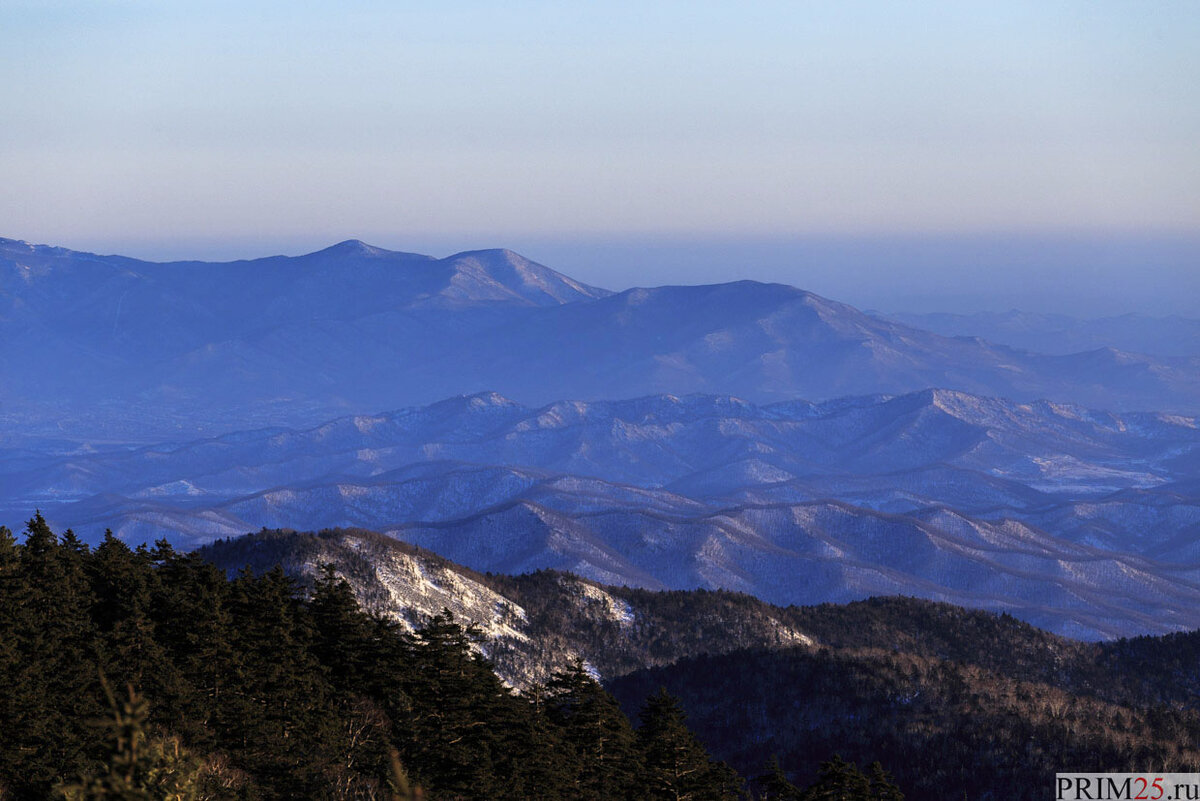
[885, 153]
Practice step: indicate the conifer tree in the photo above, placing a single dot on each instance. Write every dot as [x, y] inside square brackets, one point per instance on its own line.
[121, 582]
[676, 767]
[50, 685]
[276, 709]
[883, 786]
[599, 742]
[8, 548]
[192, 590]
[775, 784]
[356, 669]
[839, 780]
[286, 697]
[11, 651]
[140, 767]
[72, 544]
[532, 762]
[340, 629]
[455, 700]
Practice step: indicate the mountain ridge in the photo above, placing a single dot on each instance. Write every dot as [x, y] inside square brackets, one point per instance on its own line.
[1030, 507]
[778, 442]
[295, 340]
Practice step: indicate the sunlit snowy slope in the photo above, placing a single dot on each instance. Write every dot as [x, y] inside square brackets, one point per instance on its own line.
[1080, 520]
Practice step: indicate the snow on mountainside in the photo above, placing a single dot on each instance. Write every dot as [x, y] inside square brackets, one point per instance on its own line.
[198, 337]
[111, 347]
[328, 283]
[123, 380]
[532, 625]
[820, 552]
[1038, 508]
[699, 445]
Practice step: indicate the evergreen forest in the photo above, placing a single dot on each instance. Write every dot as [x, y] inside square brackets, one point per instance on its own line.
[151, 674]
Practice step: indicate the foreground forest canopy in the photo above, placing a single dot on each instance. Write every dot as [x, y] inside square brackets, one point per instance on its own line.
[204, 680]
[145, 673]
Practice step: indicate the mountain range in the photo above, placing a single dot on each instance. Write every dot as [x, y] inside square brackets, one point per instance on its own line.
[961, 703]
[1081, 521]
[111, 348]
[771, 441]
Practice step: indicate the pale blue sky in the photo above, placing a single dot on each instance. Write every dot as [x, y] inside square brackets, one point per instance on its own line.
[211, 129]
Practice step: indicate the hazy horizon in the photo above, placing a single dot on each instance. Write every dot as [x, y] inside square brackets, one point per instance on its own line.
[1080, 275]
[933, 155]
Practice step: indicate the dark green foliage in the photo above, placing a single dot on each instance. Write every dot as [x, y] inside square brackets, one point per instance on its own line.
[775, 784]
[341, 634]
[595, 734]
[459, 713]
[282, 697]
[883, 784]
[247, 689]
[839, 780]
[49, 663]
[140, 768]
[673, 624]
[676, 767]
[276, 708]
[945, 728]
[282, 690]
[123, 588]
[563, 617]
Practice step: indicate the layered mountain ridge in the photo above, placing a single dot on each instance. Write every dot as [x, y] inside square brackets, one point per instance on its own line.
[110, 347]
[1079, 520]
[771, 441]
[941, 685]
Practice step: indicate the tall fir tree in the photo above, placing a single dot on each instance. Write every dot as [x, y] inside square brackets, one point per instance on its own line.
[340, 630]
[454, 696]
[883, 785]
[598, 739]
[775, 784]
[344, 643]
[122, 583]
[53, 685]
[839, 780]
[276, 710]
[192, 590]
[676, 767]
[278, 696]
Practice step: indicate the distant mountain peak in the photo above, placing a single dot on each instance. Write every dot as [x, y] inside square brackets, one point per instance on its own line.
[502, 274]
[352, 247]
[22, 246]
[489, 398]
[488, 253]
[474, 402]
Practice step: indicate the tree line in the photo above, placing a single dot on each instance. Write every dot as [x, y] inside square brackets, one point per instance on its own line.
[144, 673]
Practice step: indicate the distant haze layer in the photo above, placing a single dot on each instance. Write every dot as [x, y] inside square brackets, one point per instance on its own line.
[91, 342]
[393, 122]
[1085, 275]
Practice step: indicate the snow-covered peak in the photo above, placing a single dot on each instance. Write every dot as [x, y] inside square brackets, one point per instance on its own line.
[351, 247]
[504, 275]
